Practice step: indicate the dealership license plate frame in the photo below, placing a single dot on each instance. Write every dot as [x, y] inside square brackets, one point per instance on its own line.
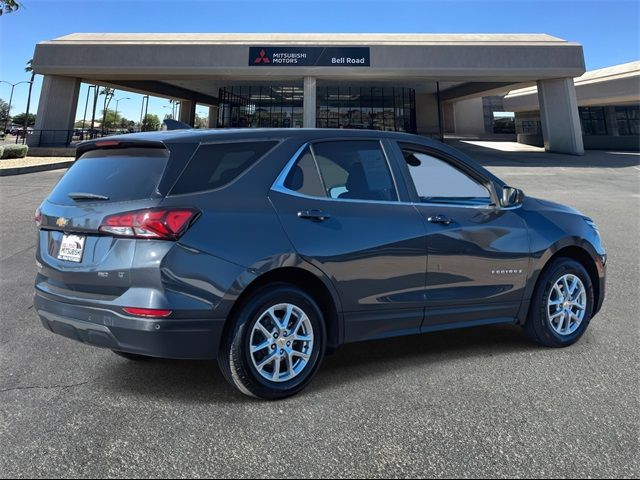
[72, 248]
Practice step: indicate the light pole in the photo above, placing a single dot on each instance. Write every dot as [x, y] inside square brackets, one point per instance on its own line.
[173, 105]
[201, 115]
[171, 115]
[143, 114]
[86, 104]
[116, 115]
[13, 85]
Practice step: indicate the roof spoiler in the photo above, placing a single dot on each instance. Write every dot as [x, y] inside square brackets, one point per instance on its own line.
[176, 125]
[115, 143]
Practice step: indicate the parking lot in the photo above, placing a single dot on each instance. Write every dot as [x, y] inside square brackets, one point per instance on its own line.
[472, 403]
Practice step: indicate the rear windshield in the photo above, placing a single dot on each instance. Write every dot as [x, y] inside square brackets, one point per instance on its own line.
[119, 175]
[216, 165]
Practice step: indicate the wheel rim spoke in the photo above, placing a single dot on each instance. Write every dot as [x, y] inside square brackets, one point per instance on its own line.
[264, 331]
[303, 356]
[276, 368]
[269, 359]
[266, 344]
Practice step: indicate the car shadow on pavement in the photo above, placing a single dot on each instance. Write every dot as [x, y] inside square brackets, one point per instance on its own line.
[369, 359]
[202, 382]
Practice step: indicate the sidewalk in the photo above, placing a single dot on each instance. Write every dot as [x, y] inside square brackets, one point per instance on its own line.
[513, 154]
[17, 166]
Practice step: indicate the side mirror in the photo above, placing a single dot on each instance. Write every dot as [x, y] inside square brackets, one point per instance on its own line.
[511, 196]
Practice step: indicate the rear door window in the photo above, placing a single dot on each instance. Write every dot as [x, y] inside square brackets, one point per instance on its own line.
[216, 165]
[356, 170]
[120, 175]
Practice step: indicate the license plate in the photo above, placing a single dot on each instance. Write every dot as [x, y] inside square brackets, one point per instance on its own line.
[71, 248]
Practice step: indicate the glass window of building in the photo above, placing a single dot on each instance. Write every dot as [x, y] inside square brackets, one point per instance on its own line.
[373, 108]
[260, 107]
[628, 118]
[592, 120]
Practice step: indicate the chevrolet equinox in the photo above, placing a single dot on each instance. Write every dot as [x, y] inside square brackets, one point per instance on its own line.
[266, 249]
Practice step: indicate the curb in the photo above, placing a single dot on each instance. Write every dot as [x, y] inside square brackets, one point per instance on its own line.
[5, 172]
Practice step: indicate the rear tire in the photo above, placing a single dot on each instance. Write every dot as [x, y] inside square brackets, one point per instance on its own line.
[561, 306]
[132, 356]
[275, 343]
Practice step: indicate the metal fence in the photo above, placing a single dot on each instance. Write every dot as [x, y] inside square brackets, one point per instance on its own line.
[60, 138]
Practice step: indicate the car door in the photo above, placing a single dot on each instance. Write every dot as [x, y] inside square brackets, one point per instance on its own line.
[344, 208]
[478, 252]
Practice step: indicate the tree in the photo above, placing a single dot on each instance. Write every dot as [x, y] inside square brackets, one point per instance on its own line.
[127, 124]
[4, 112]
[8, 6]
[201, 122]
[150, 123]
[21, 119]
[29, 69]
[110, 120]
[108, 95]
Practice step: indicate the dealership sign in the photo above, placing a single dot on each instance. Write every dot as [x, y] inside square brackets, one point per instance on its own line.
[309, 56]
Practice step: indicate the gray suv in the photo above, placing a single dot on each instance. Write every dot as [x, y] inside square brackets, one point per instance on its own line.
[267, 249]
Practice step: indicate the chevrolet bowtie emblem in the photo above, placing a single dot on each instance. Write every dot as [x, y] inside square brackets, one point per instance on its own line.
[62, 222]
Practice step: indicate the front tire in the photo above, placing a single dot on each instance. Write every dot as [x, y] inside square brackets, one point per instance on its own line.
[275, 344]
[562, 304]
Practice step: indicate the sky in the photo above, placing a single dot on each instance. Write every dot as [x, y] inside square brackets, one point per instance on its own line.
[607, 29]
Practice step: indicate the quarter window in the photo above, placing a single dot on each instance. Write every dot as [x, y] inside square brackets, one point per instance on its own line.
[304, 177]
[216, 165]
[437, 181]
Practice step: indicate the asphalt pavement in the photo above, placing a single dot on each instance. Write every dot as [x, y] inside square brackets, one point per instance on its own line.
[482, 402]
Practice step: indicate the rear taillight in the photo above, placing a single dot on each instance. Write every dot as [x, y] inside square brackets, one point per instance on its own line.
[154, 223]
[147, 312]
[38, 217]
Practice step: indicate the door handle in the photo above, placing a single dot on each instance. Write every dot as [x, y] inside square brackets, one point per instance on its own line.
[317, 215]
[444, 220]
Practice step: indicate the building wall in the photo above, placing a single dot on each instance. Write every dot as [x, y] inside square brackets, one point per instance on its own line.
[426, 114]
[614, 127]
[469, 117]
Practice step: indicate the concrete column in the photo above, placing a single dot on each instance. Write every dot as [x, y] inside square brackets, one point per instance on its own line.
[56, 111]
[187, 112]
[426, 114]
[309, 103]
[449, 117]
[559, 116]
[213, 117]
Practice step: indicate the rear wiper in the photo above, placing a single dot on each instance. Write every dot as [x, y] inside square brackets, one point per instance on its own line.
[86, 196]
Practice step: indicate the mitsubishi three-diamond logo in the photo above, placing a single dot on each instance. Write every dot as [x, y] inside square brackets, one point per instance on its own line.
[262, 58]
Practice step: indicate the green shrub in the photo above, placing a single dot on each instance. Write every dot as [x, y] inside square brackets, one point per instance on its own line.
[14, 151]
[1, 150]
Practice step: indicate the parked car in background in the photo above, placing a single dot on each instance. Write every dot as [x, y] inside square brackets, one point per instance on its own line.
[266, 249]
[22, 132]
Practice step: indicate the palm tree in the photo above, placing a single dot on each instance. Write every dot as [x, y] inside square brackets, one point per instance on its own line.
[108, 95]
[29, 69]
[8, 6]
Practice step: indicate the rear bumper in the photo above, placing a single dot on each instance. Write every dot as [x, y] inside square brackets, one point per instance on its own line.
[165, 338]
